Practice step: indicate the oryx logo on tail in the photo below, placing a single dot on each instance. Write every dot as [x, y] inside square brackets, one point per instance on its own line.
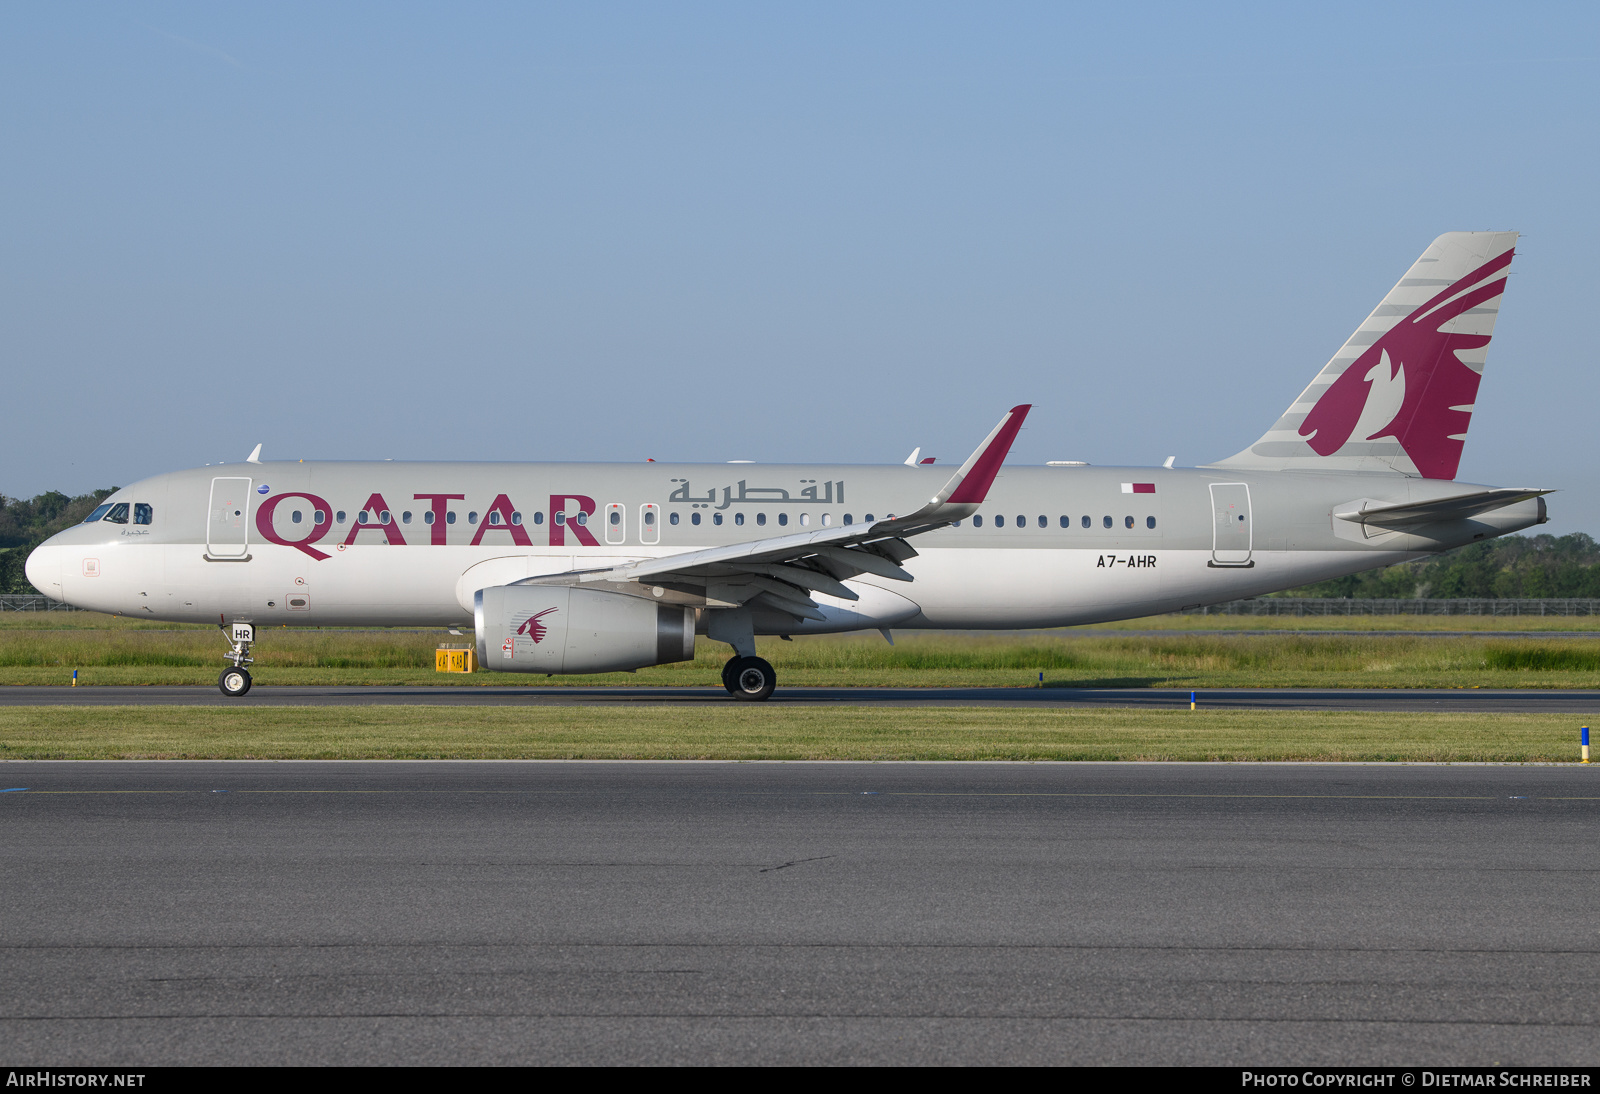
[1398, 396]
[1410, 385]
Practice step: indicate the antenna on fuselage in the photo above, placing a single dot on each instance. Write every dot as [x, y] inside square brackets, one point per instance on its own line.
[255, 455]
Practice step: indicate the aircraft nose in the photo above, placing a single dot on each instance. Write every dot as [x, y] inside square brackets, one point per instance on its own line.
[43, 569]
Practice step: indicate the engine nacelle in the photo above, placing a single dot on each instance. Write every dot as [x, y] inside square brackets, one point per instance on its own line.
[558, 629]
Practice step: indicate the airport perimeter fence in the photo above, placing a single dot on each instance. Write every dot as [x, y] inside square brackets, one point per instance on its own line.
[1316, 605]
[32, 603]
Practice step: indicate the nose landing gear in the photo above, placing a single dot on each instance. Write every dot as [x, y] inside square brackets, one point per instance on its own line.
[235, 681]
[749, 678]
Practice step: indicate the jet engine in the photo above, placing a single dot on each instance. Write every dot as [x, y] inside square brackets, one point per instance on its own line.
[557, 629]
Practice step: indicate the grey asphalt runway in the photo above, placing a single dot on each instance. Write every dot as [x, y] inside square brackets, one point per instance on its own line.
[308, 912]
[1458, 699]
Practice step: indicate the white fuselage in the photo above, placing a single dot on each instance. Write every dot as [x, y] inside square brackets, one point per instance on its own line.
[316, 544]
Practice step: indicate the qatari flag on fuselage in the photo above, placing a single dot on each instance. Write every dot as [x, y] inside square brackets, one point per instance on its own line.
[1138, 488]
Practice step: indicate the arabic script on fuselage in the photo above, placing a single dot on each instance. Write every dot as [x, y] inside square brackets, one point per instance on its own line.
[742, 493]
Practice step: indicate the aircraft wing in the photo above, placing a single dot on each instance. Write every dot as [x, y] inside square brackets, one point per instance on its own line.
[781, 572]
[1455, 507]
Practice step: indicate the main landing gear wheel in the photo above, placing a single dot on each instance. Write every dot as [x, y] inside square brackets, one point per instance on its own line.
[727, 673]
[234, 682]
[750, 678]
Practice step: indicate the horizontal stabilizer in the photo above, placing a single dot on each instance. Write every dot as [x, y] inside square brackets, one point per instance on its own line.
[1434, 510]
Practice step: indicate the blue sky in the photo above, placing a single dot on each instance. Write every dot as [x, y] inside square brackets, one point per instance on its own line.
[745, 231]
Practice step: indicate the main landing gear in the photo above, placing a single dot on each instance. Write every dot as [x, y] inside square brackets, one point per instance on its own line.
[749, 678]
[235, 680]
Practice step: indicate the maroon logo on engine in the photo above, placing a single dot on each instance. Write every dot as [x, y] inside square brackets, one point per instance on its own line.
[533, 628]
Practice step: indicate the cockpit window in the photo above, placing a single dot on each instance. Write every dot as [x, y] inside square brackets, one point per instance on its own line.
[99, 512]
[118, 513]
[142, 513]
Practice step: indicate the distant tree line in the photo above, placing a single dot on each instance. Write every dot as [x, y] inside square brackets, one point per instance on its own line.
[1508, 567]
[26, 524]
[1511, 566]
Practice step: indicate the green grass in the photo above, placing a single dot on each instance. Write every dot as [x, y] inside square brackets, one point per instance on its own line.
[740, 732]
[134, 654]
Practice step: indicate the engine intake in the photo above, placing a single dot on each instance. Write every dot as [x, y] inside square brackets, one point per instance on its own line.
[558, 629]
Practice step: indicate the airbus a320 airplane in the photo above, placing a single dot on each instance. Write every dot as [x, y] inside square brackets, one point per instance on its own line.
[585, 568]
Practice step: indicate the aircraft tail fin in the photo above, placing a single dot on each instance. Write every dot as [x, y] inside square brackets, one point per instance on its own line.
[1399, 395]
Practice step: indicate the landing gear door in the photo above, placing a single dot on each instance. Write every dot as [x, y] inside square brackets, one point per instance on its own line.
[228, 520]
[1231, 536]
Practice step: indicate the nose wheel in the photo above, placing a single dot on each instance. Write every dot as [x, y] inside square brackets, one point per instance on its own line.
[749, 678]
[234, 682]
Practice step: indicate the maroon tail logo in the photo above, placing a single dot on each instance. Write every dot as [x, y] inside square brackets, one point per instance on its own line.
[533, 628]
[1409, 383]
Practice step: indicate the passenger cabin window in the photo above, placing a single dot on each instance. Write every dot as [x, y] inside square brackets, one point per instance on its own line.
[716, 518]
[847, 519]
[673, 519]
[118, 513]
[761, 519]
[383, 516]
[1086, 522]
[999, 521]
[100, 511]
[494, 518]
[516, 518]
[1044, 521]
[738, 518]
[296, 516]
[1022, 521]
[361, 517]
[142, 513]
[616, 517]
[449, 517]
[1149, 522]
[1106, 521]
[472, 518]
[783, 518]
[339, 516]
[1127, 522]
[427, 518]
[405, 518]
[977, 521]
[869, 518]
[319, 517]
[1066, 522]
[694, 518]
[538, 518]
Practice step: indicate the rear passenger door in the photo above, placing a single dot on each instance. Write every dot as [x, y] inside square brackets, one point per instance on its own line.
[1231, 536]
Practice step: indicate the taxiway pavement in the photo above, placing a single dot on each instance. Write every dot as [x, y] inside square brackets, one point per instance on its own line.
[1533, 701]
[565, 912]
